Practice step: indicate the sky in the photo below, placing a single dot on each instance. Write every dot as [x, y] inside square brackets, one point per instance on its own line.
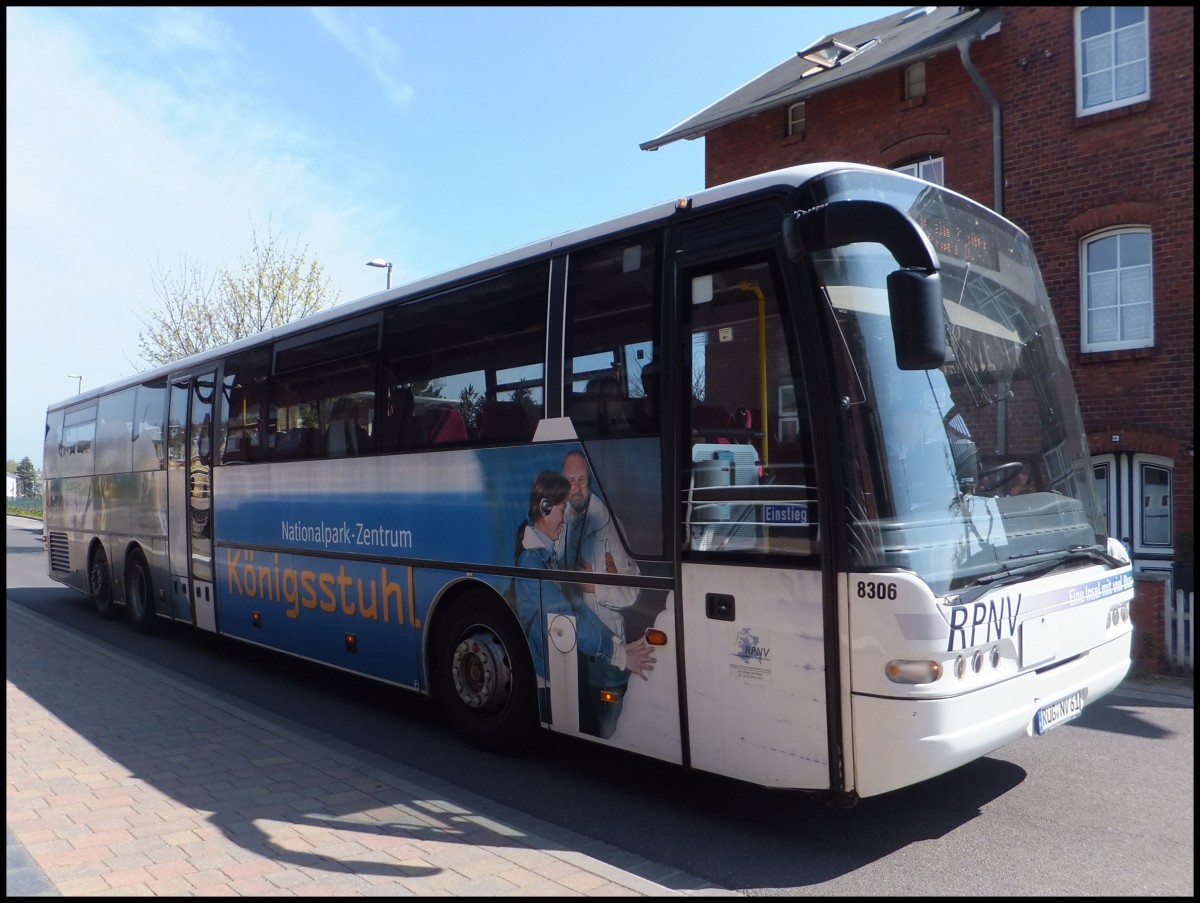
[138, 138]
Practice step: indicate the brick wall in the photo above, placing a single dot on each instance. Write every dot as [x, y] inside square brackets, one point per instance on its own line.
[1149, 625]
[1064, 177]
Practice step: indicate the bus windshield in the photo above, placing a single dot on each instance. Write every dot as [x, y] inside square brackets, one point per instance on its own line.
[978, 467]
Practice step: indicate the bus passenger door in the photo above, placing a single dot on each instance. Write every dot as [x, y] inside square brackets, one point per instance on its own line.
[751, 582]
[189, 499]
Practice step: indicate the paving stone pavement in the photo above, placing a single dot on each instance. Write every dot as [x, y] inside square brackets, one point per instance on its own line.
[124, 779]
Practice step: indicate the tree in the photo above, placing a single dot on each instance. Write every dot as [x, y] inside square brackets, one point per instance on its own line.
[470, 404]
[274, 284]
[27, 479]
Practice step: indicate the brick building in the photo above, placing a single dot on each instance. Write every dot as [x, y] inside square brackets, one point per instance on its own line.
[1076, 123]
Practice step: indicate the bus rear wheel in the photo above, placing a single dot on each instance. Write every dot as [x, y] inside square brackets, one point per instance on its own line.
[483, 677]
[139, 595]
[100, 584]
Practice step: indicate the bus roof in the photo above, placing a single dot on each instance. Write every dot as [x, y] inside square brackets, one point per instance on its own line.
[789, 178]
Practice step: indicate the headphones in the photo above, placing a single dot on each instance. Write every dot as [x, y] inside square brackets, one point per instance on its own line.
[546, 507]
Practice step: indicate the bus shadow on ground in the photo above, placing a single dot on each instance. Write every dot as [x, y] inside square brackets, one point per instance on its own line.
[266, 791]
[742, 836]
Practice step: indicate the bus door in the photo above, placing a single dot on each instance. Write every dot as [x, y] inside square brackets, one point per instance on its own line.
[751, 583]
[189, 499]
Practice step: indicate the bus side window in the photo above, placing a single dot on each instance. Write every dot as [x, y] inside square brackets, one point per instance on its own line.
[464, 350]
[114, 432]
[612, 320]
[244, 404]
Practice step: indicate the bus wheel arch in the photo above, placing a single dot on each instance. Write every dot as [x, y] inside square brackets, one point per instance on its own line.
[100, 587]
[139, 592]
[481, 672]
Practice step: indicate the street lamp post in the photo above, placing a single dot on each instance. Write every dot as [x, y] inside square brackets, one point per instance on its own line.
[380, 262]
[79, 385]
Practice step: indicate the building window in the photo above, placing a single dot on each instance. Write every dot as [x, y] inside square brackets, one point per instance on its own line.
[1156, 515]
[1118, 291]
[1112, 58]
[929, 167]
[1104, 472]
[795, 120]
[914, 81]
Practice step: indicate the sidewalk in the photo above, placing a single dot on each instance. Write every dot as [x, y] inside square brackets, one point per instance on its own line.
[123, 779]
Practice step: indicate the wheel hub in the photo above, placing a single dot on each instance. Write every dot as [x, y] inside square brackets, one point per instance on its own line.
[482, 677]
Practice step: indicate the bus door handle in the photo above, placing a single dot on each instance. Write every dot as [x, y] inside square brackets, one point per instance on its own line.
[719, 606]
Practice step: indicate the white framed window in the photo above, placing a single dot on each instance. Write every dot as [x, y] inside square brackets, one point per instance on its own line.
[1154, 527]
[914, 81]
[796, 124]
[1137, 492]
[931, 168]
[1156, 516]
[1112, 57]
[1117, 282]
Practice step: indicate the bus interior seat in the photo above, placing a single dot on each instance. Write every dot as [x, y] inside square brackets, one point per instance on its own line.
[446, 425]
[611, 418]
[582, 413]
[344, 436]
[399, 424]
[712, 422]
[341, 439]
[301, 442]
[237, 447]
[504, 421]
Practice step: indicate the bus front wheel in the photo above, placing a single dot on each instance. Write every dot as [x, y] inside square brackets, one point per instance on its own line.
[483, 677]
[139, 595]
[100, 584]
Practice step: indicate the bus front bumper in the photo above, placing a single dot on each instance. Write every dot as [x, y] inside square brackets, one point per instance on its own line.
[899, 742]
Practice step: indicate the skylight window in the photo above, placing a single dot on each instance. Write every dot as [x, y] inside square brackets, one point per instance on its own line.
[827, 54]
[917, 13]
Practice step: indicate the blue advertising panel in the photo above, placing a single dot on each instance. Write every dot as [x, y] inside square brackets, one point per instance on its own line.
[339, 561]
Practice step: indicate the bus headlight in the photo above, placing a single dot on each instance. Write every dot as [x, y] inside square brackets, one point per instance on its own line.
[902, 671]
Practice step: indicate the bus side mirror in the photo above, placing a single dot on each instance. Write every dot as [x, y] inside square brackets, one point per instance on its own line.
[918, 319]
[914, 291]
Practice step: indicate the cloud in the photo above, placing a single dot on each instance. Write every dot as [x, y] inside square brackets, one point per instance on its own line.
[133, 141]
[369, 45]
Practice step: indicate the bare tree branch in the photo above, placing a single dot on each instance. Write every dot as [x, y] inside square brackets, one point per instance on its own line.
[273, 285]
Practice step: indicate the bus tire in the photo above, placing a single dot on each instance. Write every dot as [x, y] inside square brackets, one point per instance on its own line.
[139, 595]
[483, 676]
[100, 584]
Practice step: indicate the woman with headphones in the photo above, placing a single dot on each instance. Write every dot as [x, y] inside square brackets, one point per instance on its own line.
[536, 599]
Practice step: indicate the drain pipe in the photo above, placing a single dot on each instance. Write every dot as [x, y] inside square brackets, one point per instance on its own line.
[964, 52]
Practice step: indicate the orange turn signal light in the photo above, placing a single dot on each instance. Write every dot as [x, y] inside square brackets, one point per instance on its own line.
[656, 637]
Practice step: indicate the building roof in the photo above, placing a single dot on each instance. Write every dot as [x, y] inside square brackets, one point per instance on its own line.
[890, 43]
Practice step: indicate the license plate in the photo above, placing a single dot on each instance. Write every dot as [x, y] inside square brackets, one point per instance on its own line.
[1060, 712]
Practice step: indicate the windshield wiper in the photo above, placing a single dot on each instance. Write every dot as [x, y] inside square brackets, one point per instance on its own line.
[1096, 553]
[1073, 554]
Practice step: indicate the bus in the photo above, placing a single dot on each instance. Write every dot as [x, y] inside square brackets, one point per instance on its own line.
[784, 481]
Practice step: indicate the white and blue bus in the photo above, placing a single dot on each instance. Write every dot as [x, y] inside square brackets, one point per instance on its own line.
[784, 481]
